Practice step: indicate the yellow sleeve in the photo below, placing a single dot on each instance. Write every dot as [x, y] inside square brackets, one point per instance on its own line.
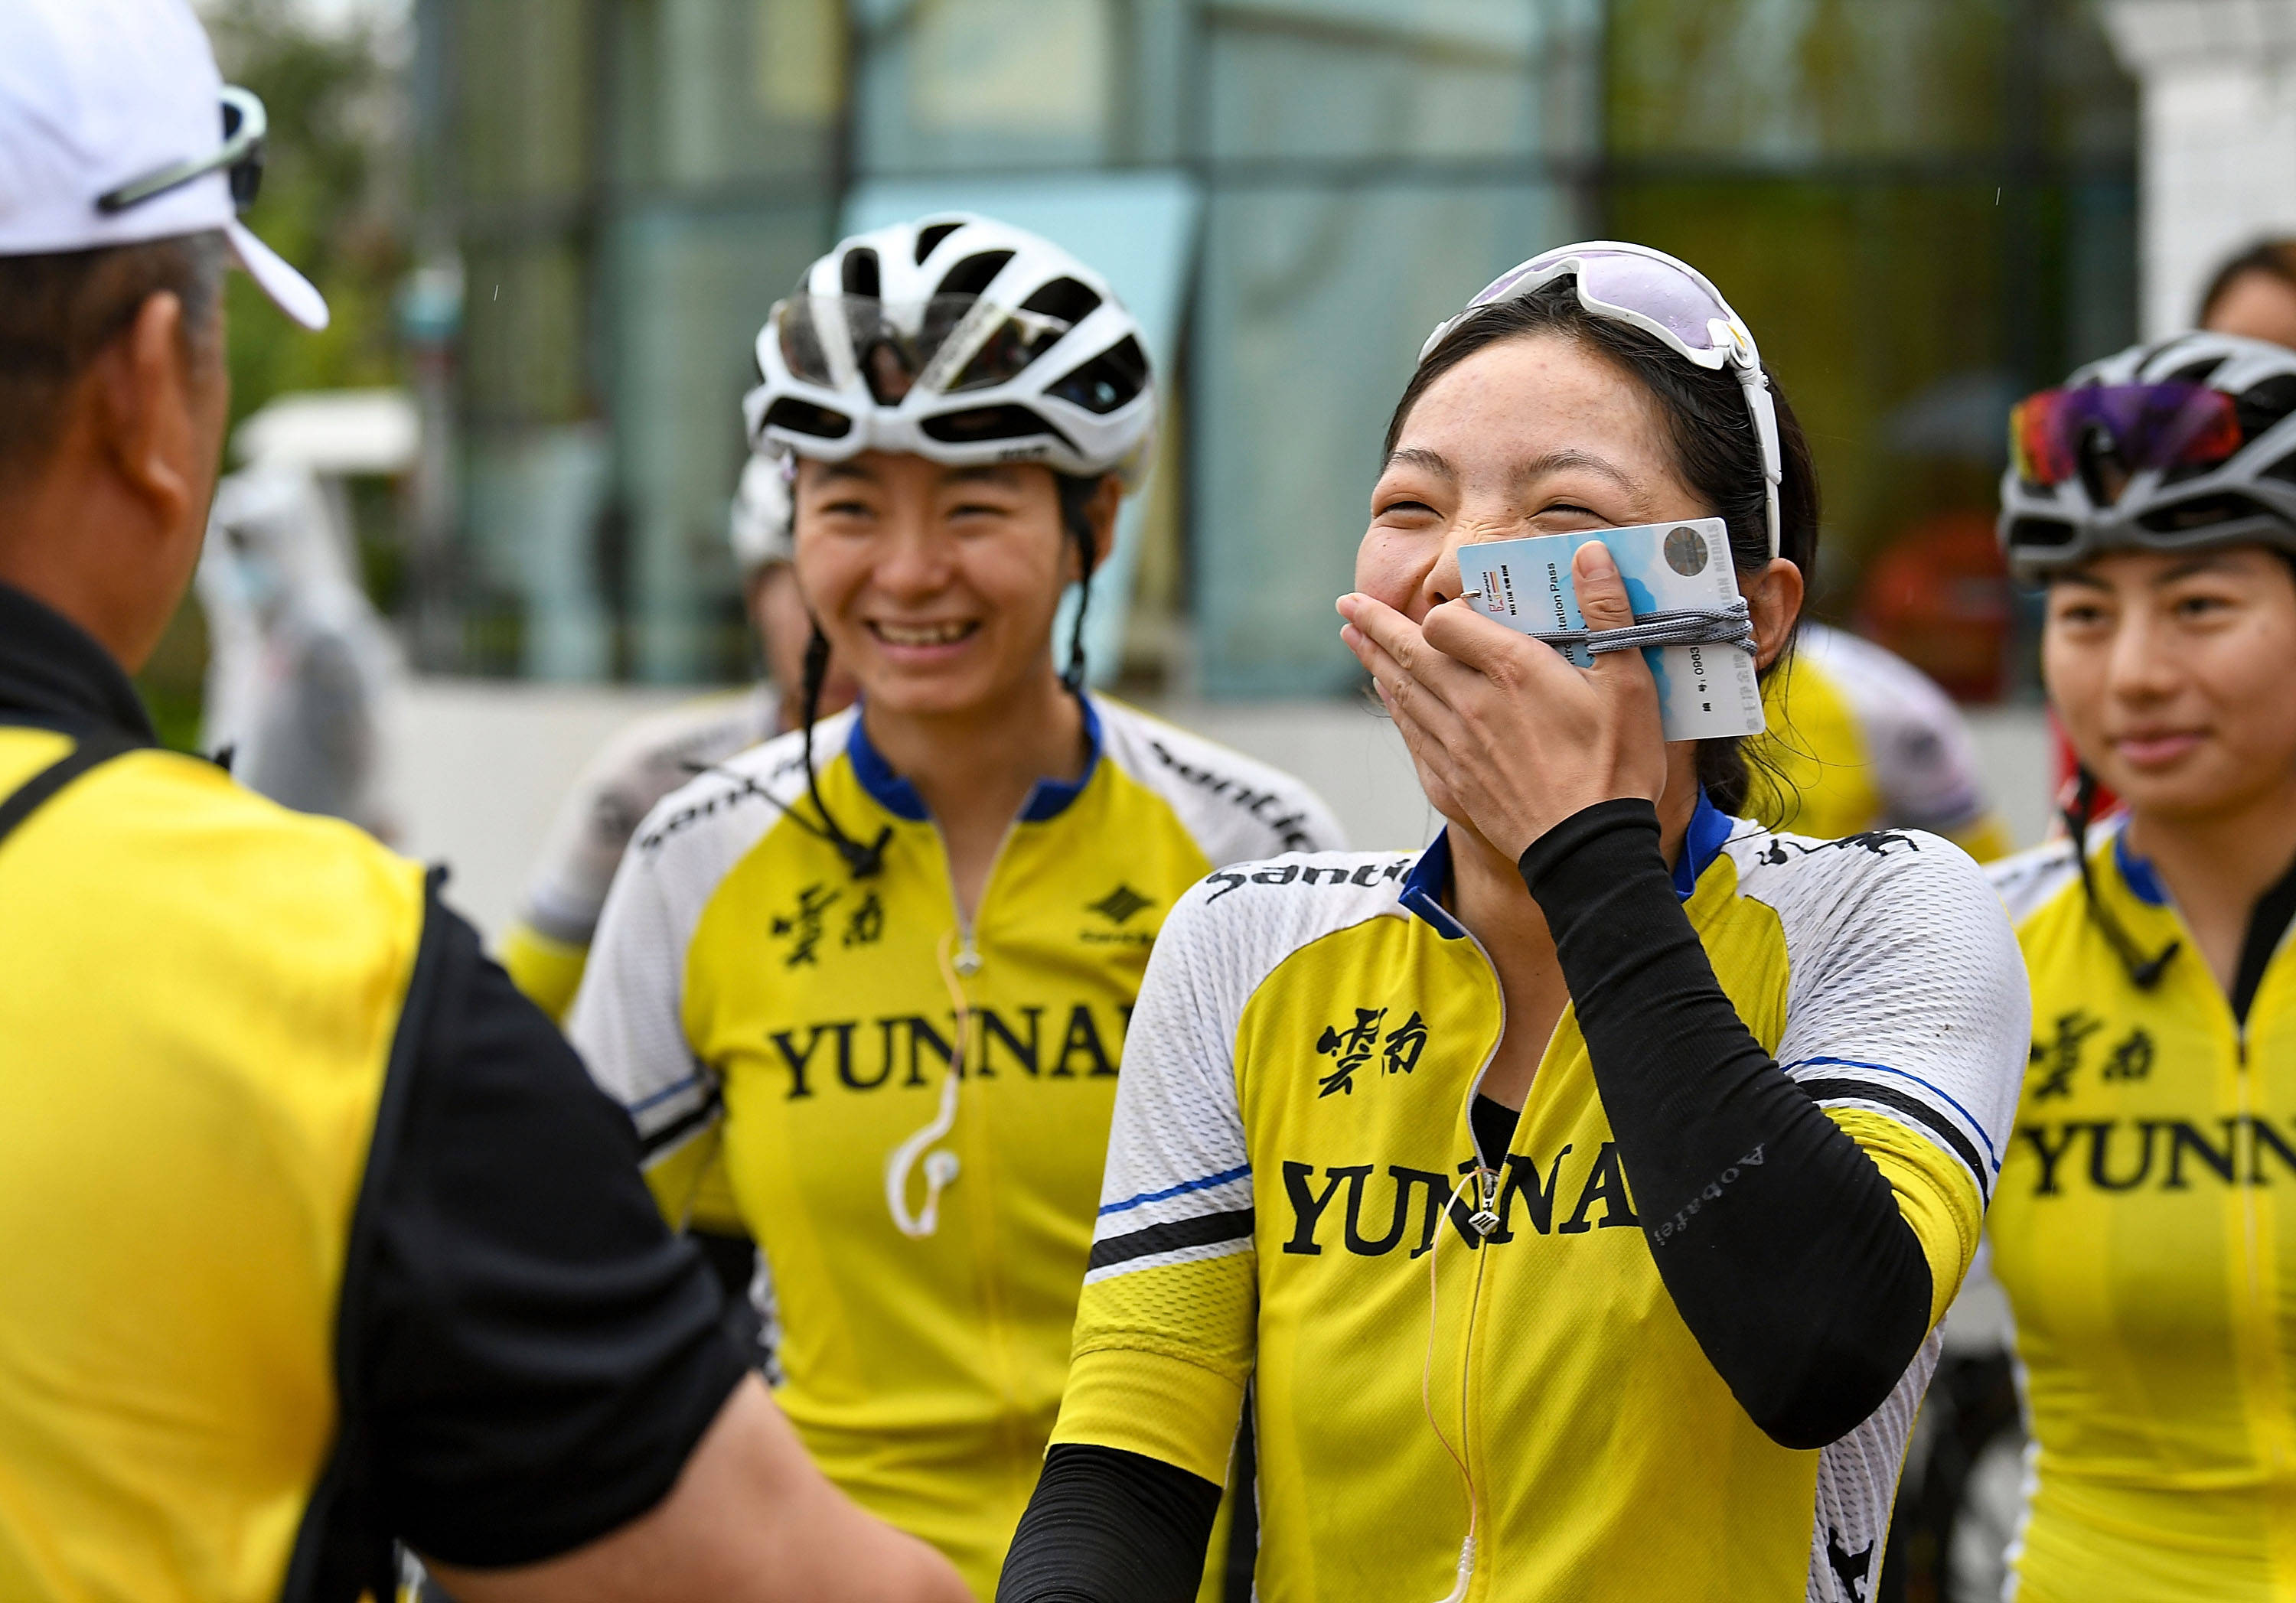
[714, 1207]
[548, 971]
[1935, 1195]
[690, 1186]
[1159, 1364]
[1810, 772]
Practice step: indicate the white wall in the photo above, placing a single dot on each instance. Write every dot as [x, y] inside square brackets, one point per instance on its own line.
[487, 763]
[2218, 169]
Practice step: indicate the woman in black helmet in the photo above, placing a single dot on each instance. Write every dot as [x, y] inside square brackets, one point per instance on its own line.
[2145, 1225]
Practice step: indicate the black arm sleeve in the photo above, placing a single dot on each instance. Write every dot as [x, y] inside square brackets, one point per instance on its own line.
[538, 1355]
[1777, 1238]
[1110, 1526]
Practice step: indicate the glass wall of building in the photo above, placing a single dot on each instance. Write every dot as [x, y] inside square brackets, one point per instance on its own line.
[1921, 206]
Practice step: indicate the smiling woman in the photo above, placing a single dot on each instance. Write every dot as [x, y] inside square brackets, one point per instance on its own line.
[2149, 1259]
[1613, 1152]
[884, 966]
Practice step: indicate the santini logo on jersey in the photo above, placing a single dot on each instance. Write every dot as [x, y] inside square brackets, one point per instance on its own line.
[1258, 804]
[1386, 1206]
[911, 1049]
[1307, 874]
[2167, 1154]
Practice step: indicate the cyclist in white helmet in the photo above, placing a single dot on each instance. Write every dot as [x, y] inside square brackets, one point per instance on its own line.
[547, 946]
[882, 968]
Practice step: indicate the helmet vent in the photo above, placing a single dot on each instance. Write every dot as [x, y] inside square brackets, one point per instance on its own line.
[979, 423]
[1108, 380]
[1064, 298]
[2193, 373]
[2027, 533]
[2264, 403]
[861, 273]
[928, 239]
[2202, 512]
[2285, 470]
[974, 274]
[803, 417]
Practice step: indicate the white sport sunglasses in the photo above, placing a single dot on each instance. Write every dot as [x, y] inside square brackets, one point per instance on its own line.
[1662, 297]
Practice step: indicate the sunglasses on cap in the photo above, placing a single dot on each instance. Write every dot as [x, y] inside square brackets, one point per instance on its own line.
[1667, 299]
[2170, 424]
[240, 156]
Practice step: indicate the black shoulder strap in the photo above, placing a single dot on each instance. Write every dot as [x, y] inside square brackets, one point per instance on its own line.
[91, 749]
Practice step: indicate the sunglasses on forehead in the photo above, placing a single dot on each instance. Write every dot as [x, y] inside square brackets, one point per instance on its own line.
[240, 157]
[1665, 298]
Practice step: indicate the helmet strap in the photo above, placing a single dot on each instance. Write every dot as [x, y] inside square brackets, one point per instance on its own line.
[863, 861]
[1076, 494]
[2144, 972]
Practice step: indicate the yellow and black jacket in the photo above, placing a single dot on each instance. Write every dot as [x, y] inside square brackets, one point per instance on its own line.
[279, 1284]
[1676, 1339]
[748, 999]
[2145, 1234]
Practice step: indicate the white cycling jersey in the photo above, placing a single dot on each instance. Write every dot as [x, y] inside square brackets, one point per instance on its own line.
[639, 766]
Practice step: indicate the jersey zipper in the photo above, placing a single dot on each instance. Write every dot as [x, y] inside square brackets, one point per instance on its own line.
[1487, 1184]
[2261, 1375]
[2263, 1321]
[981, 1196]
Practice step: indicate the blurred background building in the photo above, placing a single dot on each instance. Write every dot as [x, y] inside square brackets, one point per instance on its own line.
[1921, 206]
[553, 226]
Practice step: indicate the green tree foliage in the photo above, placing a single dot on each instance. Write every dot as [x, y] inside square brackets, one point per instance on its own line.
[333, 203]
[333, 200]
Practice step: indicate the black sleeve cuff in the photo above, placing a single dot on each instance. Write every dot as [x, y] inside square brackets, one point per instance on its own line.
[1110, 1526]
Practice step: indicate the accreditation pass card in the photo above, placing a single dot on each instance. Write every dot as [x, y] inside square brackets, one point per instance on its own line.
[1702, 690]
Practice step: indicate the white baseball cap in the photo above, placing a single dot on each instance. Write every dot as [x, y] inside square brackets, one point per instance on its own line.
[112, 132]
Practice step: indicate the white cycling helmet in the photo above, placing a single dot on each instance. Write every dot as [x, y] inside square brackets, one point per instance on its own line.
[960, 339]
[758, 527]
[2174, 447]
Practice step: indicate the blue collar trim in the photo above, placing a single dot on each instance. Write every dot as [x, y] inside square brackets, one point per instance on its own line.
[1423, 885]
[1701, 844]
[1047, 799]
[2136, 873]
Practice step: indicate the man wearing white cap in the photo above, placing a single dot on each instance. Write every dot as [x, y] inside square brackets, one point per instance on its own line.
[313, 1232]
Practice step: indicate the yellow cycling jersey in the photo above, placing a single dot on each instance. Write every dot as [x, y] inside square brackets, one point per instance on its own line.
[2145, 1234]
[1859, 739]
[1291, 1125]
[203, 991]
[747, 994]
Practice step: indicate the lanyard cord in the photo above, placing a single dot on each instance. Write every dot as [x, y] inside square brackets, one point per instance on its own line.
[941, 1166]
[1725, 626]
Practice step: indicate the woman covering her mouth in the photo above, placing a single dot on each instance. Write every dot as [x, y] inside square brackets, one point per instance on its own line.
[884, 965]
[1579, 1195]
[2145, 1230]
